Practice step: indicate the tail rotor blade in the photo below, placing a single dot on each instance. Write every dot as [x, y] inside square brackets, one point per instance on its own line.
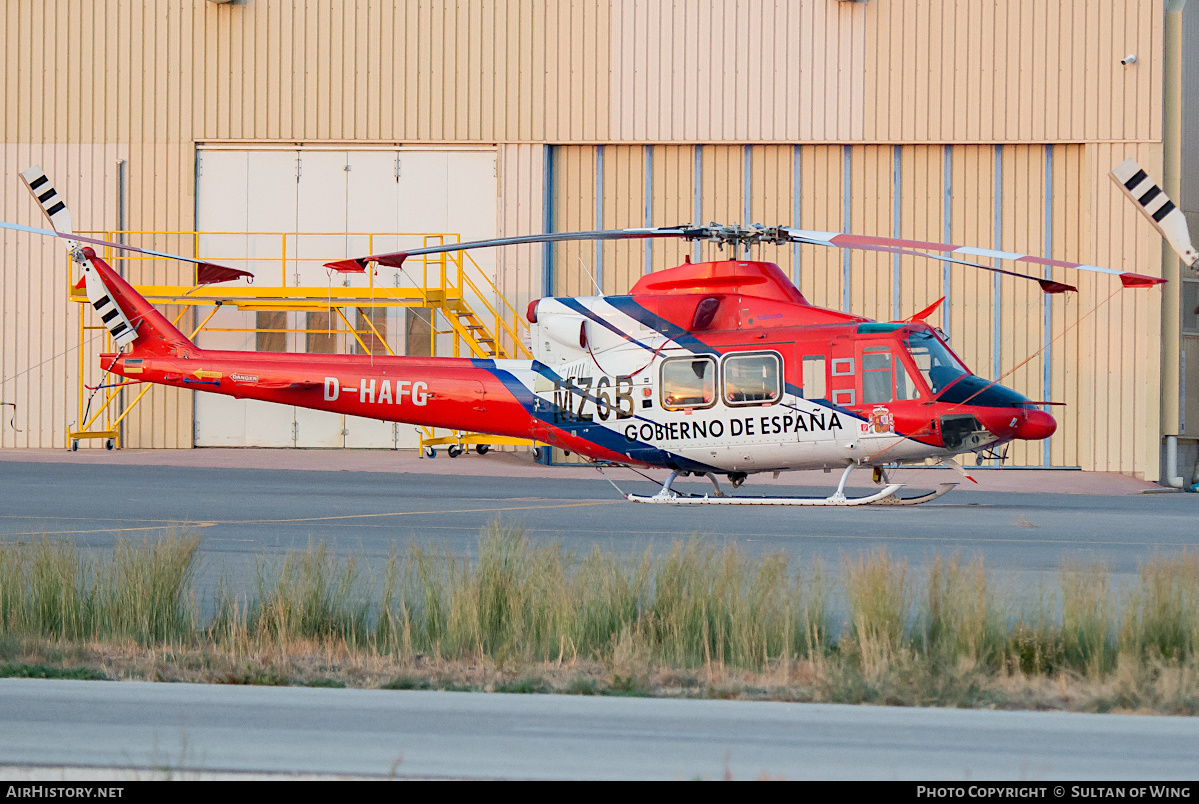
[53, 207]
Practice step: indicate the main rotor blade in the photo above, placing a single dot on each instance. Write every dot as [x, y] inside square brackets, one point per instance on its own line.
[757, 234]
[1159, 210]
[897, 246]
[396, 259]
[1047, 285]
[207, 269]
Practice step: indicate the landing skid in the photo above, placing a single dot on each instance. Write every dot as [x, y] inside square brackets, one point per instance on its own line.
[680, 499]
[667, 496]
[880, 476]
[923, 498]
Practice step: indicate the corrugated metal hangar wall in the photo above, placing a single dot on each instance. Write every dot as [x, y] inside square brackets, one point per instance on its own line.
[982, 122]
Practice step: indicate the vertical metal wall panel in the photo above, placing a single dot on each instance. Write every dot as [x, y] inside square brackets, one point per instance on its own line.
[1018, 71]
[161, 198]
[871, 204]
[39, 370]
[771, 200]
[518, 268]
[1071, 235]
[673, 201]
[654, 71]
[921, 217]
[731, 70]
[1128, 328]
[574, 209]
[624, 206]
[1021, 346]
[577, 74]
[972, 206]
[821, 206]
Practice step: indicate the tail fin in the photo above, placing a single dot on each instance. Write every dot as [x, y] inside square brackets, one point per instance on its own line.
[149, 330]
[127, 315]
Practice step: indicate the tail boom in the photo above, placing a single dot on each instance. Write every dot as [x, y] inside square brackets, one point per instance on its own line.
[452, 393]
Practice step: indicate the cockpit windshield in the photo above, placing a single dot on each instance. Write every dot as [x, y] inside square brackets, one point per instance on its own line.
[935, 361]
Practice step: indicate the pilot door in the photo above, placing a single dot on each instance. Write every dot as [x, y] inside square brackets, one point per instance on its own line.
[877, 366]
[843, 390]
[815, 426]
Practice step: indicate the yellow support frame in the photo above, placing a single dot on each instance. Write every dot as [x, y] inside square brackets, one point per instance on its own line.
[451, 283]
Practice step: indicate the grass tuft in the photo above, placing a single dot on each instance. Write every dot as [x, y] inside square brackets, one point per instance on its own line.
[880, 598]
[1088, 619]
[141, 592]
[44, 671]
[1161, 613]
[406, 683]
[526, 616]
[525, 686]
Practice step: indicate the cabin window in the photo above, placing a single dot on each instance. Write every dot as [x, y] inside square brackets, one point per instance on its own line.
[752, 379]
[688, 382]
[814, 377]
[877, 373]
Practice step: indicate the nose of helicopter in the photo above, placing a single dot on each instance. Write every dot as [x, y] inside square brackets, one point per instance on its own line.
[1036, 425]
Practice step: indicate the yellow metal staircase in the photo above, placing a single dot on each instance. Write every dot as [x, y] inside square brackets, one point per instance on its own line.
[481, 321]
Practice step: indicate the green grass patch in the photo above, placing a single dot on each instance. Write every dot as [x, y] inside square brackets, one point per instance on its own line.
[581, 685]
[448, 684]
[258, 677]
[407, 683]
[627, 687]
[45, 671]
[525, 686]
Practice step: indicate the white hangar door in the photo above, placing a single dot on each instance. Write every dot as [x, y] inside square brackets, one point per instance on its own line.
[330, 193]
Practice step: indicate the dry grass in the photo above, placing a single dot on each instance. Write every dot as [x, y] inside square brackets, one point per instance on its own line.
[143, 591]
[524, 617]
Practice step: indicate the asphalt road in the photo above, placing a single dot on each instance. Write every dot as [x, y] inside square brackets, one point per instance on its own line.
[380, 733]
[243, 513]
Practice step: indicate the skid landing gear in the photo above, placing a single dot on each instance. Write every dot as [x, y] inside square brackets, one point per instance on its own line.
[880, 476]
[669, 496]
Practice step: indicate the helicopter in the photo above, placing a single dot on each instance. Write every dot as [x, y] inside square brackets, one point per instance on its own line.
[716, 368]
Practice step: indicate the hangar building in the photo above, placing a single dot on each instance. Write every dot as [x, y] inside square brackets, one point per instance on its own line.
[981, 122]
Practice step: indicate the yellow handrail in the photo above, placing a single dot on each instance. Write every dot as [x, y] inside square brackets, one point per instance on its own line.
[467, 276]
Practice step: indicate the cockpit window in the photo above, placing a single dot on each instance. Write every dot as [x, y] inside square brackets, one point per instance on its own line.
[936, 363]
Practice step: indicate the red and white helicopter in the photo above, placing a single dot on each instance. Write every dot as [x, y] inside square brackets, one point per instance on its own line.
[710, 368]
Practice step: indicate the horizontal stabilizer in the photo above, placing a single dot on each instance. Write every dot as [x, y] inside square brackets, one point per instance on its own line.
[1168, 219]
